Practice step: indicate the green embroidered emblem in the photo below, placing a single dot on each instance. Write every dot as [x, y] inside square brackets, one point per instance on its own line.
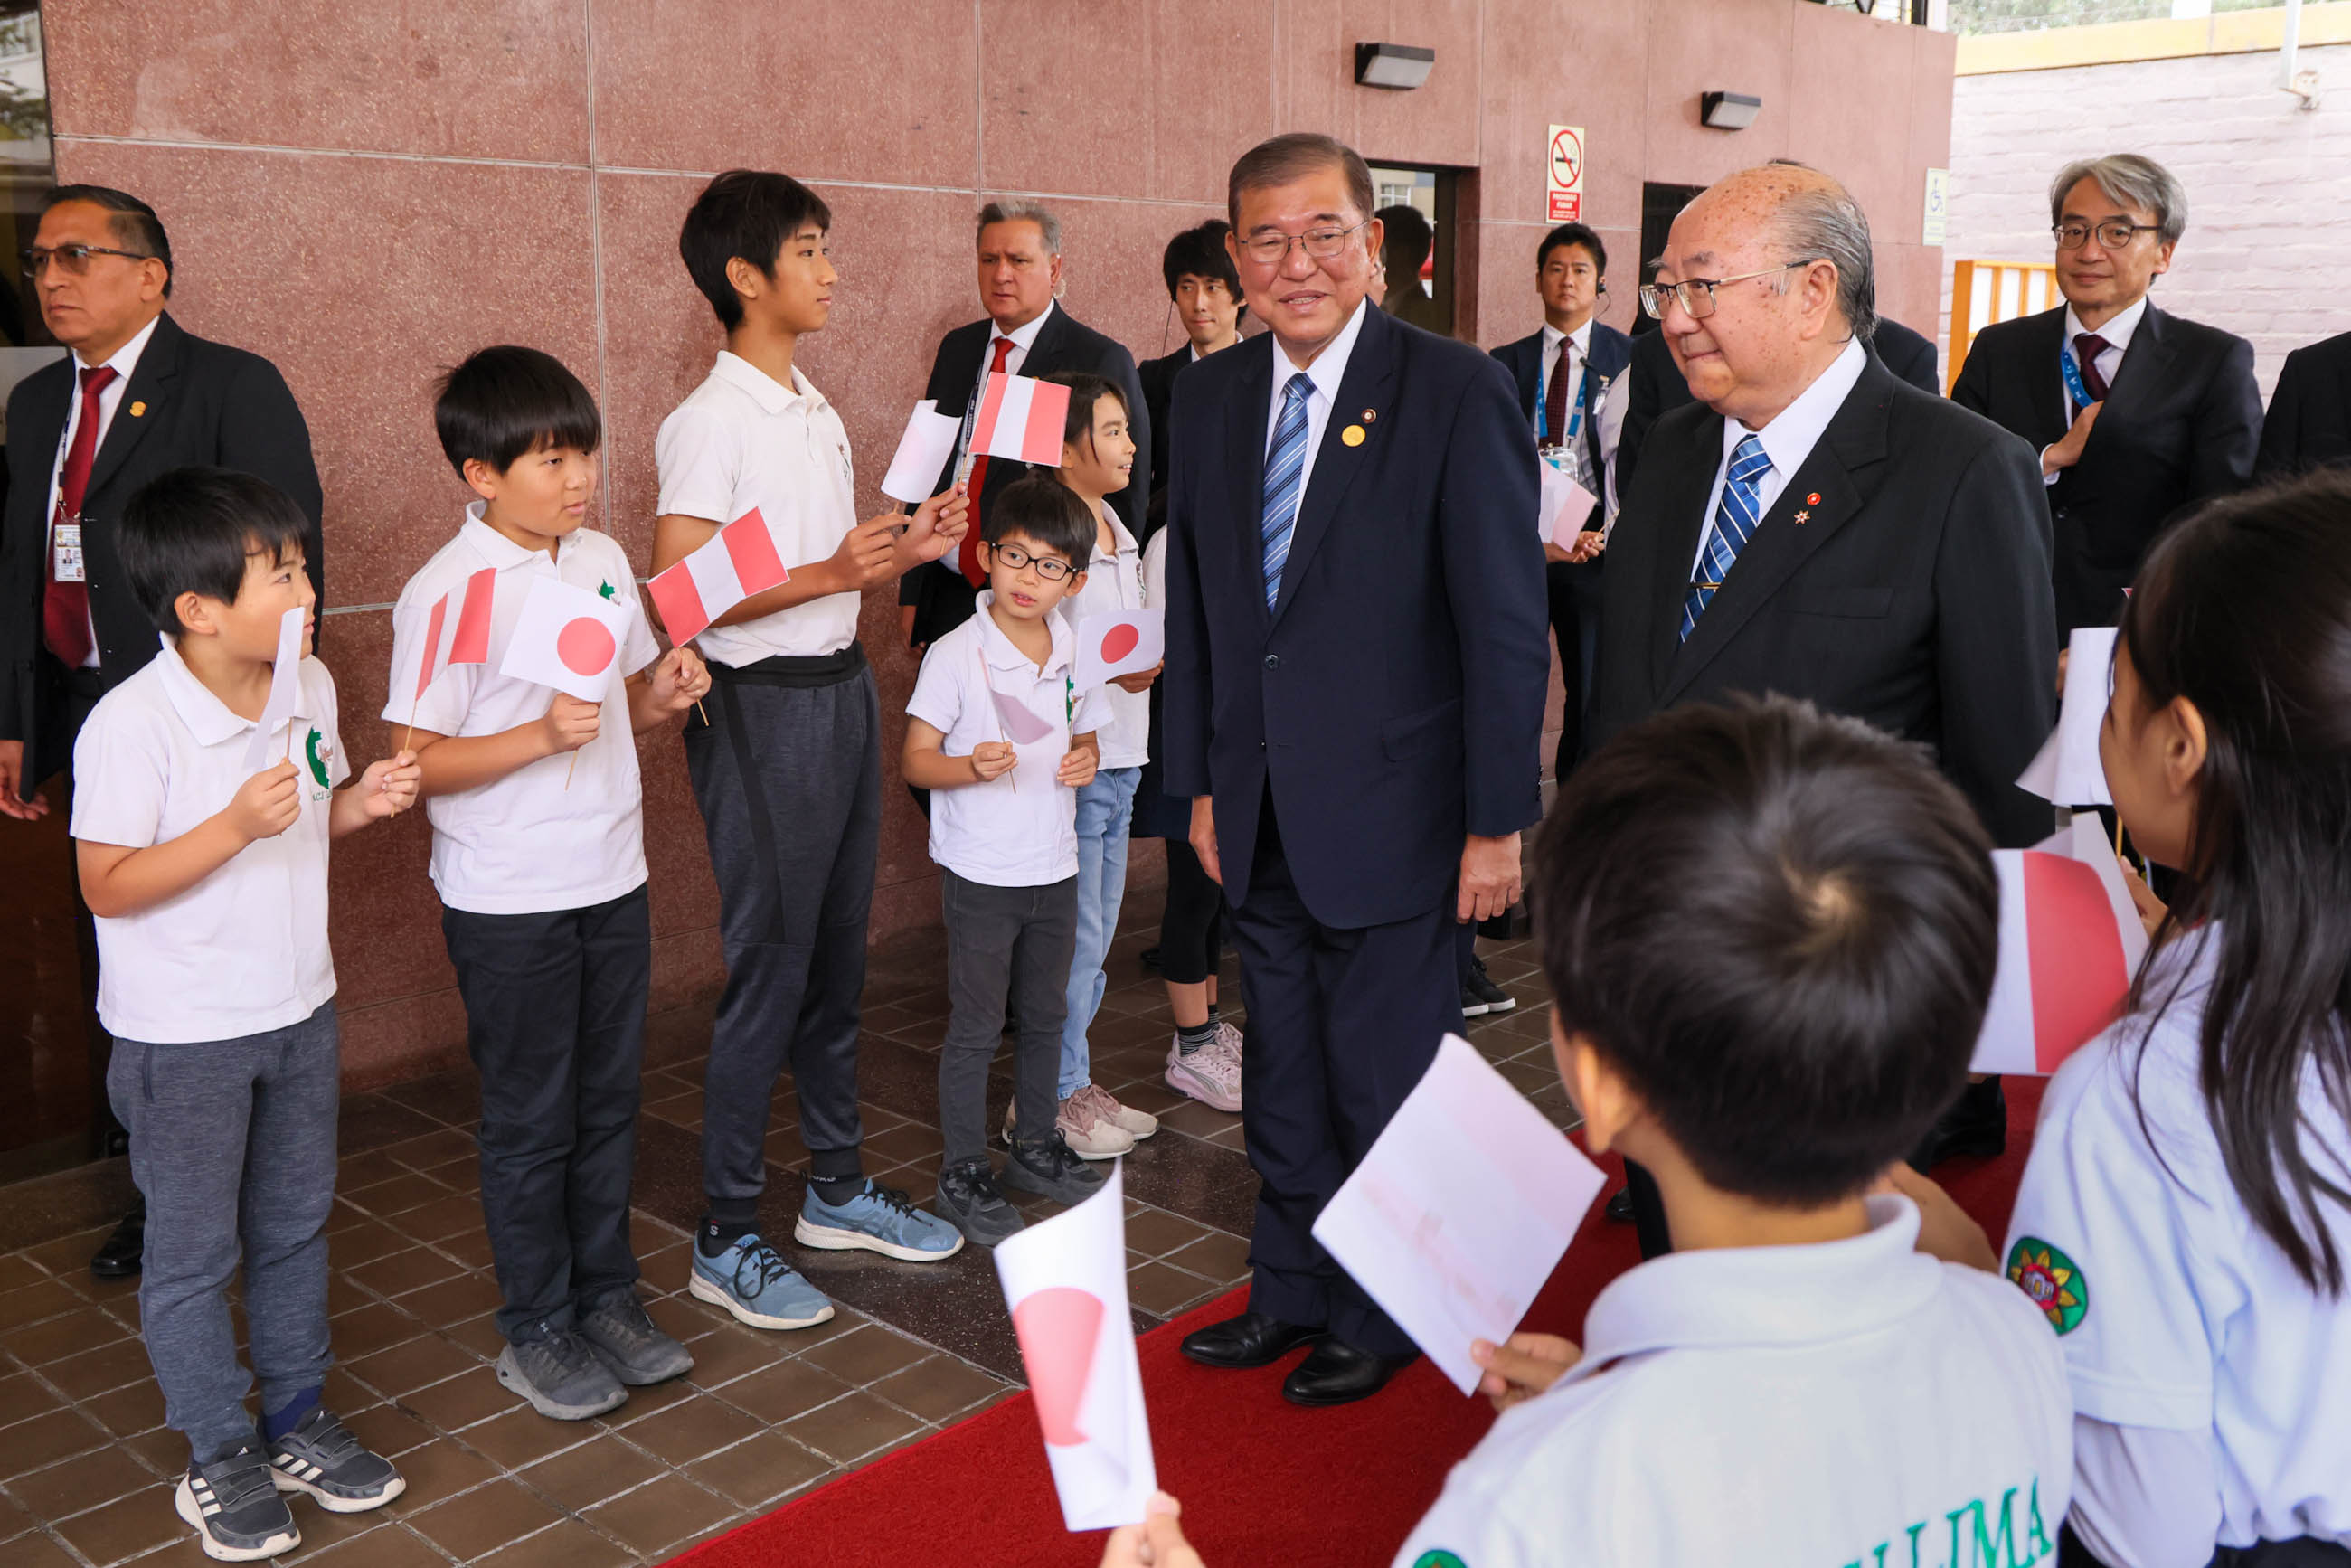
[607, 591]
[318, 767]
[2052, 1279]
[1438, 1559]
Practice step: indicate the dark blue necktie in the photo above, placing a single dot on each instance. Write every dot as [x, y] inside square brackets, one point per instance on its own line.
[1734, 524]
[1285, 470]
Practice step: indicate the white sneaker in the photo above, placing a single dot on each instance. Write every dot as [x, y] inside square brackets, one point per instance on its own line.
[1212, 1074]
[1136, 1124]
[1089, 1135]
[1228, 1039]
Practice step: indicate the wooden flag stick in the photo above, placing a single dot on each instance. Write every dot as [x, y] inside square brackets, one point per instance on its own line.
[572, 768]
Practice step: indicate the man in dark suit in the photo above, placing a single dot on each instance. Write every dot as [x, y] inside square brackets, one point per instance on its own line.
[1026, 333]
[1206, 294]
[2136, 414]
[1564, 371]
[1814, 526]
[1355, 682]
[2309, 421]
[135, 397]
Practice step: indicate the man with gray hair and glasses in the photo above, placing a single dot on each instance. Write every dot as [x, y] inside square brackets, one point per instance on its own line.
[2137, 415]
[1815, 527]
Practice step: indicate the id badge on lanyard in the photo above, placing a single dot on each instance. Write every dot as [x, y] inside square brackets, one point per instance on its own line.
[65, 544]
[1574, 413]
[2075, 389]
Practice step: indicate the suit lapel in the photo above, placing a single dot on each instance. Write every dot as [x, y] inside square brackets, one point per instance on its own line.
[2044, 379]
[150, 389]
[1368, 384]
[1246, 412]
[1045, 353]
[1855, 439]
[2145, 373]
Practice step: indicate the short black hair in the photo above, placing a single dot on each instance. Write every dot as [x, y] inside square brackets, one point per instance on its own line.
[135, 224]
[1085, 391]
[505, 403]
[1408, 238]
[1584, 234]
[1780, 928]
[750, 212]
[1200, 252]
[1048, 511]
[190, 531]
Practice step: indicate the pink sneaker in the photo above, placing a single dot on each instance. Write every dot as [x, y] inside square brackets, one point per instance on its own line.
[1104, 1106]
[1212, 1074]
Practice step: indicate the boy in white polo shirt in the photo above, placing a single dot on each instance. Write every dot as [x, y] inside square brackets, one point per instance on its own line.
[785, 760]
[209, 885]
[539, 857]
[998, 728]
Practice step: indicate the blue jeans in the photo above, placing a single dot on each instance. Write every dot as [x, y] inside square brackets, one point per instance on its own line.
[1105, 812]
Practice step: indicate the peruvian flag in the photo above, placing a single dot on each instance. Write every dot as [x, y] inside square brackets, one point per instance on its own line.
[739, 563]
[462, 615]
[1021, 418]
[2070, 940]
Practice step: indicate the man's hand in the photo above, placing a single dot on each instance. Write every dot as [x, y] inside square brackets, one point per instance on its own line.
[572, 723]
[992, 759]
[12, 775]
[680, 680]
[1078, 766]
[1158, 1542]
[1140, 681]
[1204, 837]
[867, 556]
[2064, 454]
[937, 528]
[1523, 1367]
[1588, 546]
[266, 804]
[389, 787]
[1490, 875]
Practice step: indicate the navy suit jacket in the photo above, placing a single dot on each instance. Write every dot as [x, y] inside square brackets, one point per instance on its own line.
[1392, 701]
[1610, 351]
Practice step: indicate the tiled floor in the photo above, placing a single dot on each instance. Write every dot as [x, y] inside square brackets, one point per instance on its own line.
[85, 1462]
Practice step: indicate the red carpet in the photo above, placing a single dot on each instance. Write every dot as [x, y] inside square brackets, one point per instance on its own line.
[1262, 1482]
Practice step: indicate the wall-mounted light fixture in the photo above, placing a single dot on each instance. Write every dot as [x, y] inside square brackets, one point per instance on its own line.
[1398, 66]
[1729, 111]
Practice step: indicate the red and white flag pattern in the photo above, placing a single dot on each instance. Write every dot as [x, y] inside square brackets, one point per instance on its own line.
[1021, 418]
[458, 630]
[568, 638]
[739, 563]
[2070, 940]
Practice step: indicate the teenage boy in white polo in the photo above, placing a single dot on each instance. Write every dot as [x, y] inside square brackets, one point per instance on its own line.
[539, 857]
[209, 884]
[787, 761]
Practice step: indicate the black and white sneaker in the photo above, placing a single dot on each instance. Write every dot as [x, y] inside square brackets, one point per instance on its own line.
[234, 1507]
[1480, 996]
[322, 1456]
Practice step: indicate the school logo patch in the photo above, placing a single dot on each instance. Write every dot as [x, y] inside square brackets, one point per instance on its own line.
[2052, 1279]
[1438, 1559]
[608, 591]
[318, 763]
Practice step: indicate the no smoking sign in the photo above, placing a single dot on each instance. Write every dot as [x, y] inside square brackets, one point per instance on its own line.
[1564, 175]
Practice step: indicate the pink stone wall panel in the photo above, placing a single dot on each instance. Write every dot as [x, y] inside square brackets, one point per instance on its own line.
[1696, 46]
[1548, 64]
[1209, 71]
[1065, 101]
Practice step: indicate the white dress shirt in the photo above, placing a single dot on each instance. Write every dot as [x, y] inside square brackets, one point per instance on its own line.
[1330, 367]
[125, 363]
[1552, 340]
[1788, 440]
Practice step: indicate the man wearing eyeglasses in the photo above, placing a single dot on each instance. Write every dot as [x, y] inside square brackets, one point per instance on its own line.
[134, 397]
[2137, 415]
[1357, 658]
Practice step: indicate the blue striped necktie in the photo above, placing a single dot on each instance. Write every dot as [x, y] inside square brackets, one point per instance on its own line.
[1285, 469]
[1734, 524]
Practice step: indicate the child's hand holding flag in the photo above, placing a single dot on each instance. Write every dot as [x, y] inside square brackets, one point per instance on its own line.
[266, 804]
[389, 786]
[570, 722]
[937, 527]
[679, 681]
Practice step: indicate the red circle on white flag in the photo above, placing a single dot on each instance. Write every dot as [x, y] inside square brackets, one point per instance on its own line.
[585, 645]
[1119, 641]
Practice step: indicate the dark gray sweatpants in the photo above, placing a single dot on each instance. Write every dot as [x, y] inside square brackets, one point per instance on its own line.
[233, 1145]
[789, 778]
[1003, 943]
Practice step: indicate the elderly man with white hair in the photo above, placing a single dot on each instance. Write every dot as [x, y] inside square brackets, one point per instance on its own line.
[1813, 526]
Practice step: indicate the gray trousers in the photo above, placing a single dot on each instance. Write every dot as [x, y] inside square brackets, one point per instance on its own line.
[1003, 942]
[233, 1145]
[789, 778]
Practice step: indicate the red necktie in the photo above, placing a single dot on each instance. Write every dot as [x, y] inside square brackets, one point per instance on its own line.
[973, 572]
[1555, 400]
[2087, 346]
[65, 608]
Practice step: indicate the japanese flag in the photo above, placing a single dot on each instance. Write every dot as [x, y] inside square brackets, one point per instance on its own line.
[740, 561]
[570, 639]
[1118, 642]
[1021, 418]
[2070, 940]
[458, 632]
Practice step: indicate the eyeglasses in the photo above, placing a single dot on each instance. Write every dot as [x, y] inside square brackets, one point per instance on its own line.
[73, 260]
[1696, 294]
[1321, 244]
[1052, 568]
[2114, 233]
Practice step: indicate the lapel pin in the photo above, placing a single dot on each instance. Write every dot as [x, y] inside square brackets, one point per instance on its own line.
[1813, 499]
[1371, 416]
[1803, 517]
[1353, 435]
[138, 409]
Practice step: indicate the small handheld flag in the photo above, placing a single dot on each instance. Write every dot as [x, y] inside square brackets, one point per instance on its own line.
[739, 561]
[468, 645]
[2070, 940]
[1118, 642]
[568, 638]
[922, 452]
[1021, 418]
[285, 689]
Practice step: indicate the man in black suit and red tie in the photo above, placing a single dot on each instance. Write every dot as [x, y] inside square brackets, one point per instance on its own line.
[136, 396]
[2137, 415]
[2309, 421]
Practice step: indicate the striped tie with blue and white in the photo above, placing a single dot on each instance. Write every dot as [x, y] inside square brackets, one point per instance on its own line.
[1285, 469]
[1734, 524]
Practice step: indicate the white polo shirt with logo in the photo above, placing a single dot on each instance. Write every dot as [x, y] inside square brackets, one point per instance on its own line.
[553, 834]
[245, 950]
[742, 440]
[1850, 1402]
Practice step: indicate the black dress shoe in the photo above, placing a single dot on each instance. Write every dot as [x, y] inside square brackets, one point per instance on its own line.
[1249, 1340]
[1977, 1123]
[1338, 1373]
[118, 1257]
[1620, 1207]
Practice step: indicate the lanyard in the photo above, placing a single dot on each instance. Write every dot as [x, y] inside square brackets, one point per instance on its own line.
[2075, 389]
[1575, 413]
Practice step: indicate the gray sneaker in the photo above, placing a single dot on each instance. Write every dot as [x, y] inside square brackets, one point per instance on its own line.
[560, 1376]
[625, 1340]
[322, 1456]
[969, 1201]
[234, 1507]
[1049, 1166]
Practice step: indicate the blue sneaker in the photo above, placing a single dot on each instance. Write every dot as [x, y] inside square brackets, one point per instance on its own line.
[880, 1219]
[751, 1280]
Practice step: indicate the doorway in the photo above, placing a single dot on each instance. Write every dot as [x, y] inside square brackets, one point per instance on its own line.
[1660, 204]
[1440, 296]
